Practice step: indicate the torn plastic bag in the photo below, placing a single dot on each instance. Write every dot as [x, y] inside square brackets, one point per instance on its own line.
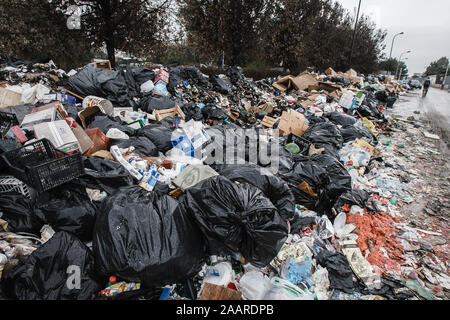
[161, 136]
[141, 236]
[143, 146]
[62, 269]
[339, 118]
[220, 85]
[18, 211]
[106, 175]
[390, 289]
[339, 270]
[105, 123]
[273, 187]
[68, 208]
[237, 219]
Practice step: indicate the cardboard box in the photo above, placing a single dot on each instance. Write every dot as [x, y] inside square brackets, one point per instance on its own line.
[301, 82]
[61, 111]
[352, 73]
[32, 119]
[267, 107]
[9, 98]
[60, 135]
[87, 113]
[102, 64]
[162, 114]
[269, 122]
[330, 72]
[292, 122]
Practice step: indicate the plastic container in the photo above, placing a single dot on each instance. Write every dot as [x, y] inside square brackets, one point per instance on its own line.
[8, 183]
[42, 166]
[7, 120]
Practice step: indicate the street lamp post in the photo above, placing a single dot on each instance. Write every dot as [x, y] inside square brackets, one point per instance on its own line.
[354, 35]
[392, 47]
[445, 79]
[401, 71]
[399, 60]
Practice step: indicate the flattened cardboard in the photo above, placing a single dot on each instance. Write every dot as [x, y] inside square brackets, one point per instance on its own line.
[268, 122]
[9, 98]
[292, 122]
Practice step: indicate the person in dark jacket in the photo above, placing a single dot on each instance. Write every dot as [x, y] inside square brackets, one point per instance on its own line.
[426, 87]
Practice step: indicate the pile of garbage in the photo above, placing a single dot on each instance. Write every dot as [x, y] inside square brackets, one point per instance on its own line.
[144, 183]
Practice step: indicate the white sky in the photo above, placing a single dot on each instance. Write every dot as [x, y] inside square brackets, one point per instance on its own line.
[426, 24]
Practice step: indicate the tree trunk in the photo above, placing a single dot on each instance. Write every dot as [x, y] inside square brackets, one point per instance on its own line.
[111, 49]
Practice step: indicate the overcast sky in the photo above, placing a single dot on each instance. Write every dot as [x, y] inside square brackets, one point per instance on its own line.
[426, 25]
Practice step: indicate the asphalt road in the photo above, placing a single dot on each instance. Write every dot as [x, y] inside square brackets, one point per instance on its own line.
[435, 108]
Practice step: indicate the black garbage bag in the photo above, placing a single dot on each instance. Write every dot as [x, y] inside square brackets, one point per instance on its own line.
[142, 75]
[13, 61]
[159, 135]
[117, 86]
[339, 270]
[192, 112]
[339, 118]
[237, 219]
[273, 187]
[220, 85]
[382, 95]
[143, 146]
[105, 123]
[326, 177]
[391, 289]
[214, 112]
[235, 75]
[142, 236]
[68, 208]
[105, 175]
[360, 198]
[352, 132]
[50, 272]
[18, 211]
[149, 103]
[190, 74]
[324, 135]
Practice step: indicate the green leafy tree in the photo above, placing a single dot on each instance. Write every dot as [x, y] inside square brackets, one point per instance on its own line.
[437, 67]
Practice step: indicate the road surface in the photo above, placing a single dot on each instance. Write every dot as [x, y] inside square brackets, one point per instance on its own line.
[435, 108]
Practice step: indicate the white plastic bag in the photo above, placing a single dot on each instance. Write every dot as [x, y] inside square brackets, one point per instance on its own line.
[284, 290]
[147, 87]
[254, 285]
[221, 274]
[342, 229]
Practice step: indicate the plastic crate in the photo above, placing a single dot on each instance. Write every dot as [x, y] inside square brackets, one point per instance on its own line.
[8, 183]
[303, 143]
[7, 120]
[42, 166]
